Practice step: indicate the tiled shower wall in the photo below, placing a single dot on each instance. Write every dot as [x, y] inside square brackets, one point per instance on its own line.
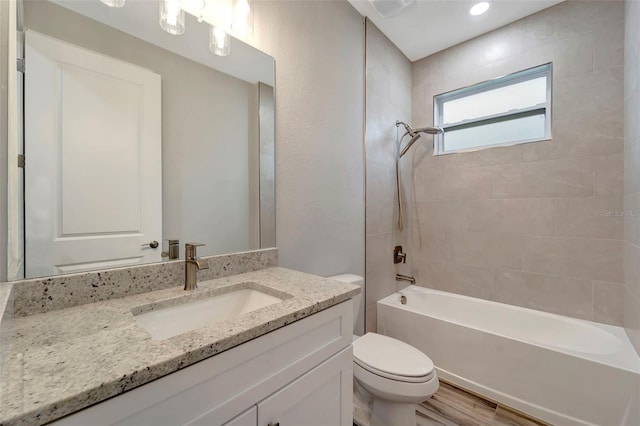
[534, 225]
[632, 175]
[388, 92]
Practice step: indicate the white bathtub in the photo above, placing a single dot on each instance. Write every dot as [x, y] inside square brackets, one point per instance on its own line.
[561, 370]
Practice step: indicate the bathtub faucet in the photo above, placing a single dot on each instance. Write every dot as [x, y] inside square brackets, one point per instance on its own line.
[400, 277]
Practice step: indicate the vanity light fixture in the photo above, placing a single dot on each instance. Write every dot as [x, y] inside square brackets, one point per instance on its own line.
[195, 7]
[113, 3]
[172, 20]
[479, 8]
[195, 4]
[219, 41]
[171, 17]
[242, 18]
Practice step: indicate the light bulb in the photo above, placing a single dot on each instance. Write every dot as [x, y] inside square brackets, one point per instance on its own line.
[479, 8]
[171, 17]
[219, 41]
[242, 20]
[113, 3]
[194, 4]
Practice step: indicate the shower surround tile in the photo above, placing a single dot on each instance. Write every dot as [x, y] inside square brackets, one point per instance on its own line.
[468, 183]
[631, 317]
[632, 218]
[631, 256]
[537, 216]
[573, 141]
[568, 19]
[441, 216]
[609, 176]
[567, 177]
[586, 94]
[428, 244]
[575, 257]
[511, 216]
[560, 295]
[591, 217]
[468, 280]
[389, 98]
[484, 249]
[607, 302]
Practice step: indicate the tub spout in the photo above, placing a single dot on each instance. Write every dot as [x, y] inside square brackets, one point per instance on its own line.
[400, 277]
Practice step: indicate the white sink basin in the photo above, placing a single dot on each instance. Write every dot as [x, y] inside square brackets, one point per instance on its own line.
[171, 321]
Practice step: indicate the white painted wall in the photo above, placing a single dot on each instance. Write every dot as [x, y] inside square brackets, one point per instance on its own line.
[319, 51]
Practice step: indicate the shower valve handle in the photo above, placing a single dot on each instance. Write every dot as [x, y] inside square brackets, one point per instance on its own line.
[398, 255]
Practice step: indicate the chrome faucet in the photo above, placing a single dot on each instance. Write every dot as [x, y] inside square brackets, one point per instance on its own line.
[400, 277]
[192, 266]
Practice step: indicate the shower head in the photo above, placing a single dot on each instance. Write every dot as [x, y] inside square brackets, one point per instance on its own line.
[415, 134]
[428, 130]
[412, 132]
[413, 139]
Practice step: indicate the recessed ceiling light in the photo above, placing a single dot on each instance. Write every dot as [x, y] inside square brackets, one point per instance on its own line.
[479, 8]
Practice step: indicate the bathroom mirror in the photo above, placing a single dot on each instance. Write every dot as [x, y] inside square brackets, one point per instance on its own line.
[129, 137]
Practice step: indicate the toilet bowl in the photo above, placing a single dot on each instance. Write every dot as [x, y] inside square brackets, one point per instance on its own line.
[392, 376]
[396, 375]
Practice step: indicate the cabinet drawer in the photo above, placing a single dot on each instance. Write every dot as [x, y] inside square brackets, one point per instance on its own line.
[225, 385]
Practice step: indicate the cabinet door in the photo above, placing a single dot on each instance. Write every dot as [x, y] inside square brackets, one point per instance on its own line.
[322, 397]
[248, 418]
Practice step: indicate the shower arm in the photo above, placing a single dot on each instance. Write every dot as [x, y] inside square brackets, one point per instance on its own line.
[430, 130]
[408, 128]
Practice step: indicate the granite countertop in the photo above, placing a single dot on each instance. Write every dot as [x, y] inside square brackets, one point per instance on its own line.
[62, 361]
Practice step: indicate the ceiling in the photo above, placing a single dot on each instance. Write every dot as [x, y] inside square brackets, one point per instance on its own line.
[429, 26]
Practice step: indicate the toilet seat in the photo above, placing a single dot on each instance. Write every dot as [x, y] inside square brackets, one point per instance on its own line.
[394, 390]
[392, 359]
[394, 377]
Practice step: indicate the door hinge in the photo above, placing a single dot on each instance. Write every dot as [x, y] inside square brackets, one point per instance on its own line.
[21, 64]
[21, 161]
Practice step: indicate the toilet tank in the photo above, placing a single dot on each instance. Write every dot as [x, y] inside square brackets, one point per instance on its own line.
[358, 311]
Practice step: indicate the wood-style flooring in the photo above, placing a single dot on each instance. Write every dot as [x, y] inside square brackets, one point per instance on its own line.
[452, 406]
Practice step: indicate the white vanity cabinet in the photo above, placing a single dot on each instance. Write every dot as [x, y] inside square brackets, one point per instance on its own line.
[315, 399]
[248, 418]
[300, 374]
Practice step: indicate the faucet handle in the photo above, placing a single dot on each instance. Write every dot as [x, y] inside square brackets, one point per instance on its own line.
[195, 244]
[190, 249]
[398, 255]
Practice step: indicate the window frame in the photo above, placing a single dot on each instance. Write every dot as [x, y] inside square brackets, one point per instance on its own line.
[544, 70]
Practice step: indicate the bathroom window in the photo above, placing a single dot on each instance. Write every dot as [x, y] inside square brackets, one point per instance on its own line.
[508, 110]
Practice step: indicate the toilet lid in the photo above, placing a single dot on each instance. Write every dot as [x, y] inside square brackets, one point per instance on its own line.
[391, 358]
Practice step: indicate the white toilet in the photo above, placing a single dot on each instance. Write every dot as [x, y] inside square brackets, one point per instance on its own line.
[393, 376]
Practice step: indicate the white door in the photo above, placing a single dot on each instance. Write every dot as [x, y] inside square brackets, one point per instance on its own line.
[322, 397]
[93, 191]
